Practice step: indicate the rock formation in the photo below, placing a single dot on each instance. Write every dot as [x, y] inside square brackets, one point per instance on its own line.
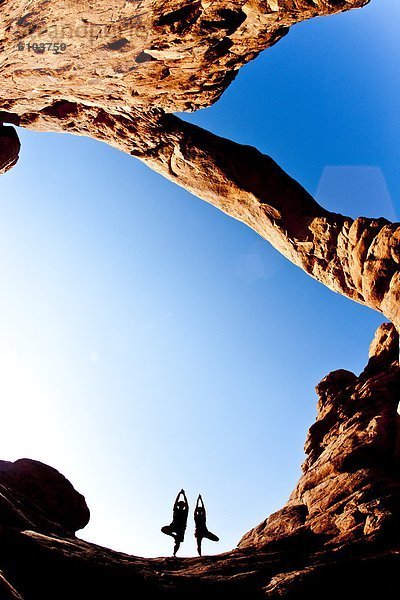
[35, 496]
[125, 68]
[338, 535]
[9, 148]
[350, 488]
[176, 55]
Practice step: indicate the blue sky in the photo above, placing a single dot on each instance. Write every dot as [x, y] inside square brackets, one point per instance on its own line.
[149, 342]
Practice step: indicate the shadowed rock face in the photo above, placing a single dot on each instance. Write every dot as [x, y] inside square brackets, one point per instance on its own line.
[35, 496]
[9, 148]
[338, 536]
[7, 592]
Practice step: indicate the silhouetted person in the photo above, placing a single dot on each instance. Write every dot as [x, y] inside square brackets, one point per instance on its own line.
[179, 519]
[200, 519]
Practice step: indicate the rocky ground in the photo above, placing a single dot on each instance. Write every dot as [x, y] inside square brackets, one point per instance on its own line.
[339, 531]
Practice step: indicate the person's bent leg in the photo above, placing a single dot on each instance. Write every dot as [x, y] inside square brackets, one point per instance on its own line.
[167, 529]
[211, 536]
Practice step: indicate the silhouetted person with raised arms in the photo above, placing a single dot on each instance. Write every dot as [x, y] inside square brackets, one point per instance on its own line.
[200, 519]
[179, 519]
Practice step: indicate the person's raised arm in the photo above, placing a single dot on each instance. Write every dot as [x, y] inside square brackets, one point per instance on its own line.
[178, 496]
[185, 499]
[181, 493]
[199, 501]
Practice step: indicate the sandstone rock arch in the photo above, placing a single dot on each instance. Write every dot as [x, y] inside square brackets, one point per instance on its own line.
[138, 62]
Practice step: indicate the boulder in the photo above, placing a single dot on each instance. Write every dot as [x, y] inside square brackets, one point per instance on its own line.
[36, 496]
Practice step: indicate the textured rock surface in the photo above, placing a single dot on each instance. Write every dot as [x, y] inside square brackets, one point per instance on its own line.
[339, 531]
[35, 496]
[358, 258]
[350, 488]
[7, 592]
[128, 64]
[9, 148]
[175, 54]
